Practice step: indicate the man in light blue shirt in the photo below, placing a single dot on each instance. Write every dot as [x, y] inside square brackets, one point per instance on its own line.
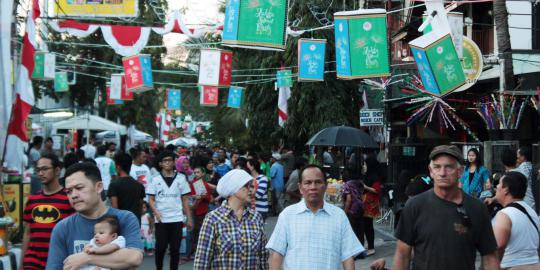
[313, 234]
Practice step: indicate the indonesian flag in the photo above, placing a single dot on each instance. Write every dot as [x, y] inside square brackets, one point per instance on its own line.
[283, 97]
[16, 139]
[165, 127]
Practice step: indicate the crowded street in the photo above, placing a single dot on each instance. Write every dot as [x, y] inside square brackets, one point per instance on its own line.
[269, 134]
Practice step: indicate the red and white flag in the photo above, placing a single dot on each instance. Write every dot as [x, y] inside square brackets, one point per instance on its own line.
[17, 138]
[283, 97]
[165, 127]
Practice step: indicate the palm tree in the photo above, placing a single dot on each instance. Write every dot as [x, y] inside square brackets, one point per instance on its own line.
[503, 40]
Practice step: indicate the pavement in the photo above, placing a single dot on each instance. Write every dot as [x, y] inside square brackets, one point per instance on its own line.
[384, 247]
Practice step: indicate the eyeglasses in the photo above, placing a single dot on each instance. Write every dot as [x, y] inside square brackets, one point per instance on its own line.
[464, 216]
[42, 169]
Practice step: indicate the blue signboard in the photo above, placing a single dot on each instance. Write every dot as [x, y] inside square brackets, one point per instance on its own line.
[146, 70]
[232, 14]
[311, 59]
[235, 97]
[343, 55]
[424, 69]
[284, 78]
[174, 99]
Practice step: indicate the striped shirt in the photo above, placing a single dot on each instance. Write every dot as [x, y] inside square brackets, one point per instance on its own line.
[307, 240]
[228, 243]
[261, 196]
[42, 213]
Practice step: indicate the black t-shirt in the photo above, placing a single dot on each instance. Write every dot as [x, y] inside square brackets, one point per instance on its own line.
[441, 237]
[129, 193]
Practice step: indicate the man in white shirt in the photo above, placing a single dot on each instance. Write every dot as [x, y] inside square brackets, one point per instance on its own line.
[313, 234]
[106, 167]
[524, 157]
[139, 171]
[89, 149]
[169, 194]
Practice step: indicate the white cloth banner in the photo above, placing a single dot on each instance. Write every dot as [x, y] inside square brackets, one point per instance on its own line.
[6, 69]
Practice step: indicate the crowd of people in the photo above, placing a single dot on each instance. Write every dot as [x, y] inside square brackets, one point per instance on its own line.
[105, 208]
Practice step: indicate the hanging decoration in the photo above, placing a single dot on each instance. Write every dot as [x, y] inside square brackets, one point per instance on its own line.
[174, 99]
[126, 40]
[255, 24]
[284, 78]
[129, 40]
[111, 101]
[44, 66]
[361, 44]
[209, 95]
[506, 113]
[437, 107]
[215, 67]
[118, 88]
[536, 102]
[311, 54]
[438, 63]
[138, 73]
[61, 82]
[236, 95]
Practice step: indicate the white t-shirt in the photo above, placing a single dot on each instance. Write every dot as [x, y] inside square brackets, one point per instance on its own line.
[120, 241]
[168, 199]
[141, 173]
[107, 170]
[89, 151]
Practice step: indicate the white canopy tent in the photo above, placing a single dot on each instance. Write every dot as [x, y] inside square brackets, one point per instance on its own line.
[138, 136]
[89, 122]
[183, 141]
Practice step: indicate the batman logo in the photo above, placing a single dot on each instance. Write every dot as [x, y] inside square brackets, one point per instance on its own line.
[45, 214]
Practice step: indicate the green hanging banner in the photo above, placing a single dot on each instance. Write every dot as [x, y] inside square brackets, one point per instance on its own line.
[61, 82]
[44, 66]
[256, 24]
[438, 63]
[361, 44]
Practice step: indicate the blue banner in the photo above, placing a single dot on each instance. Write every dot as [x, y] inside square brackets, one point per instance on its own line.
[235, 97]
[311, 59]
[174, 99]
[343, 54]
[146, 70]
[424, 69]
[232, 14]
[284, 78]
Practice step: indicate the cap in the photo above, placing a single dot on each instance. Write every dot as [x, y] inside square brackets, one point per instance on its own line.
[450, 150]
[277, 156]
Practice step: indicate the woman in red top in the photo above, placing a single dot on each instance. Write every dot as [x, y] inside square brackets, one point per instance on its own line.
[372, 198]
[201, 194]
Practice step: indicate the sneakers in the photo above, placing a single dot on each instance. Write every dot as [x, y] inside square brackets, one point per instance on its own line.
[370, 252]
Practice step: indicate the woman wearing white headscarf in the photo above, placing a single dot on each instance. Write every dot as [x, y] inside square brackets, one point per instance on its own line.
[232, 236]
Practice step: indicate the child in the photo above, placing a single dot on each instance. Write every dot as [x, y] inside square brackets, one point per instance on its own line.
[106, 239]
[147, 230]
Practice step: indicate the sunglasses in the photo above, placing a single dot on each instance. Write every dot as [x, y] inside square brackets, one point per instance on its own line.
[464, 216]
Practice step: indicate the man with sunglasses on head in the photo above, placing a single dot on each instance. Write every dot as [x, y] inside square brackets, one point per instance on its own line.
[444, 226]
[43, 211]
[168, 198]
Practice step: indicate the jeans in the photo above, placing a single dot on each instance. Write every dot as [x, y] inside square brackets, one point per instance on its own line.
[168, 235]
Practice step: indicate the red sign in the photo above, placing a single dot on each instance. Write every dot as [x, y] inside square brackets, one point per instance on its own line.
[209, 95]
[225, 68]
[113, 101]
[138, 73]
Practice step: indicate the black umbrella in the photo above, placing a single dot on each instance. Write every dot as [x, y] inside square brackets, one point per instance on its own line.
[342, 136]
